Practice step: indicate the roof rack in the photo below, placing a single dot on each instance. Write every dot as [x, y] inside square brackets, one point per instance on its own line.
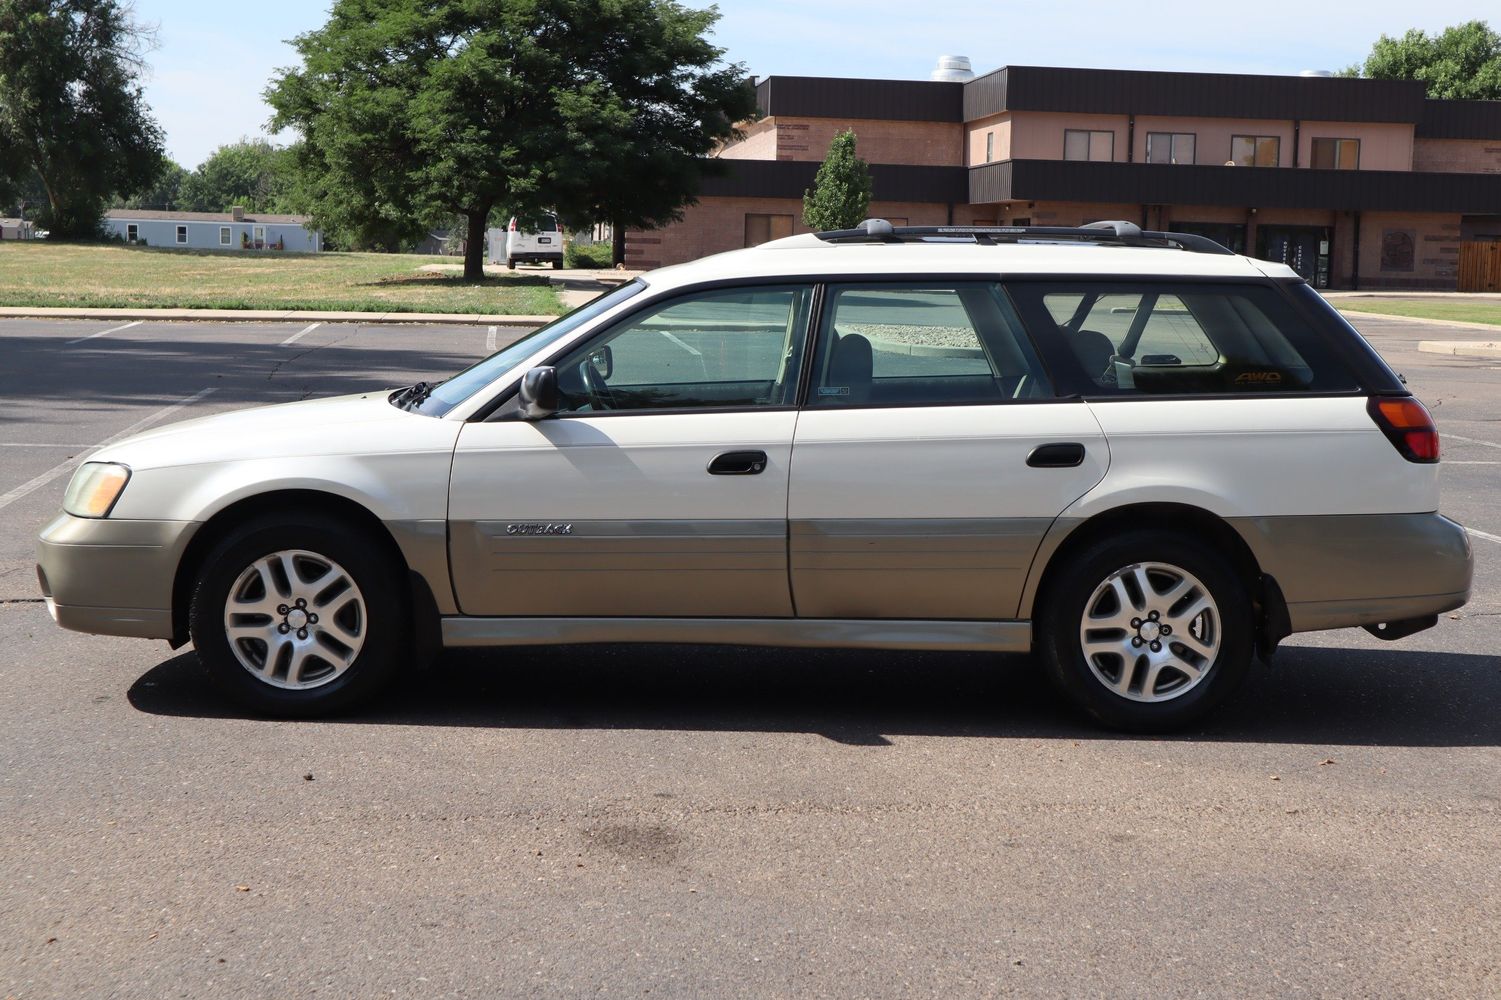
[1114, 232]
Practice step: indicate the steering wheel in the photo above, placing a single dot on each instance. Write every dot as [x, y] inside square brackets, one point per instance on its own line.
[600, 396]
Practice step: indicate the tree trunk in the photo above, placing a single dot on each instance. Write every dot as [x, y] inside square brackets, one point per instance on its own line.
[617, 242]
[474, 247]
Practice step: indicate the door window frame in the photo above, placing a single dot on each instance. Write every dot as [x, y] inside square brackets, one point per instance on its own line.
[1025, 340]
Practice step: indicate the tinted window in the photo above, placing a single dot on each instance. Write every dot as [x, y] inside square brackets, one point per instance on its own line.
[913, 345]
[1155, 338]
[728, 348]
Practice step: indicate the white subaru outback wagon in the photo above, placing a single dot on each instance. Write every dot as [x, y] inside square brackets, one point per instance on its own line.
[1135, 454]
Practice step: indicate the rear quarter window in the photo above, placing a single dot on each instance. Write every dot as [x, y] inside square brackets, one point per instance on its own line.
[1125, 338]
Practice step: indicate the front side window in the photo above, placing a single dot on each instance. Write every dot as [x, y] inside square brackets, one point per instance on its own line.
[922, 344]
[1336, 154]
[224, 236]
[182, 234]
[1255, 150]
[723, 349]
[1153, 338]
[1082, 144]
[477, 376]
[132, 232]
[761, 228]
[1170, 147]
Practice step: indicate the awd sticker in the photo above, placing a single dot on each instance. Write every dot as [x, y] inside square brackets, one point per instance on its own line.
[539, 529]
[1259, 378]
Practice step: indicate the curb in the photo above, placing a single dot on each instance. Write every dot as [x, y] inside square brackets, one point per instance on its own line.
[1462, 348]
[272, 316]
[1462, 324]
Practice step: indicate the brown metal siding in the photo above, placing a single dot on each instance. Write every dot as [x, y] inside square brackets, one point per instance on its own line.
[1214, 95]
[1460, 120]
[831, 97]
[790, 178]
[1261, 187]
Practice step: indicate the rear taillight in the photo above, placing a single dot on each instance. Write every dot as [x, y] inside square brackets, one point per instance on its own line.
[1407, 425]
[512, 226]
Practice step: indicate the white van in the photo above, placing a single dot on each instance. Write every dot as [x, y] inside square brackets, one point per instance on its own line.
[535, 239]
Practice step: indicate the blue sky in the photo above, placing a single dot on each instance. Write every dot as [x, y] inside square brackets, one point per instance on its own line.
[214, 58]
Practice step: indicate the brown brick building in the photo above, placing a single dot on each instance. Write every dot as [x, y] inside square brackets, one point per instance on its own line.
[1354, 183]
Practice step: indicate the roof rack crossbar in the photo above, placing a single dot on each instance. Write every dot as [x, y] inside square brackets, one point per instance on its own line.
[1114, 232]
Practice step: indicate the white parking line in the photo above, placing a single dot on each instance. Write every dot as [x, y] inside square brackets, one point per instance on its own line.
[490, 340]
[32, 485]
[1450, 461]
[1456, 437]
[1484, 534]
[101, 333]
[40, 444]
[294, 338]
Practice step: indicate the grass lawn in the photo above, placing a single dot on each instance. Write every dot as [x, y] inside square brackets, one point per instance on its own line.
[1463, 310]
[111, 276]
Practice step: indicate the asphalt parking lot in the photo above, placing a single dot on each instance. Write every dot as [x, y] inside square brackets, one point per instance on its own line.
[705, 822]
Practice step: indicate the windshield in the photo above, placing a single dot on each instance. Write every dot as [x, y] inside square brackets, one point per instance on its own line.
[466, 383]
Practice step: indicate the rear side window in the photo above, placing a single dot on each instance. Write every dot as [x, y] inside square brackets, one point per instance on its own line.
[1159, 338]
[922, 344]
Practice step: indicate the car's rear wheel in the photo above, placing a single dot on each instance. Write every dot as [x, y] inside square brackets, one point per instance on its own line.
[511, 263]
[299, 616]
[1147, 631]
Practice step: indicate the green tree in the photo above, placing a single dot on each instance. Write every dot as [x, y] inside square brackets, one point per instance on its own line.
[1462, 62]
[163, 194]
[840, 196]
[251, 173]
[72, 114]
[412, 111]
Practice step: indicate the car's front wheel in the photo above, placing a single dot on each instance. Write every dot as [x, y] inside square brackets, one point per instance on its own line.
[299, 616]
[1147, 631]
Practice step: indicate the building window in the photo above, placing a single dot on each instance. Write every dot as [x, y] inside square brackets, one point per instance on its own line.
[1335, 154]
[132, 232]
[1170, 147]
[182, 235]
[260, 237]
[1081, 144]
[1256, 150]
[989, 146]
[762, 228]
[224, 236]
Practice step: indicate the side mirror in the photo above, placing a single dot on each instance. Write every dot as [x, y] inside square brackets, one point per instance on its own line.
[539, 393]
[603, 360]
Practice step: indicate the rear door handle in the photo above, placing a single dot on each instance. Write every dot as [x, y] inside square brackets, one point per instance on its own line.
[1056, 456]
[738, 463]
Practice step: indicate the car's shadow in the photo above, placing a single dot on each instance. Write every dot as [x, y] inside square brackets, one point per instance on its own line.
[1311, 695]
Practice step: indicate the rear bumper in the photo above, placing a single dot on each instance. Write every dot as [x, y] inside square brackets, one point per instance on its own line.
[1362, 569]
[112, 577]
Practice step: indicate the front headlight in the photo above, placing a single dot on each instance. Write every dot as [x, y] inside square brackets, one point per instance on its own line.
[95, 488]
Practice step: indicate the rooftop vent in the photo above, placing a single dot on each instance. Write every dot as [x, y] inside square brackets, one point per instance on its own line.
[952, 69]
[1320, 74]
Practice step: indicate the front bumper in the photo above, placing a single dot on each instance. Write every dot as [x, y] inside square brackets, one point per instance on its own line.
[112, 577]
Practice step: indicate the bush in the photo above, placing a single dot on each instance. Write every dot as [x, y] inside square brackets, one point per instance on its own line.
[588, 255]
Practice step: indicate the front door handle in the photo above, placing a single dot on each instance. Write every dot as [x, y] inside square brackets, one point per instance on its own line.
[1056, 456]
[738, 463]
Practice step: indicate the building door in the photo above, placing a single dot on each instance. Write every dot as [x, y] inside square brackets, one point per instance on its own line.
[1480, 266]
[1305, 249]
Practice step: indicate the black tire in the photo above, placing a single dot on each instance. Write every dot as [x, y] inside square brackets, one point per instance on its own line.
[511, 263]
[1063, 605]
[557, 265]
[386, 621]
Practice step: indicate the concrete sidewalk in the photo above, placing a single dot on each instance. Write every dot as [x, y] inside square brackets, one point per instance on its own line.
[269, 316]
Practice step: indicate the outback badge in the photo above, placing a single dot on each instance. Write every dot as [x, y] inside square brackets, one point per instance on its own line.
[539, 529]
